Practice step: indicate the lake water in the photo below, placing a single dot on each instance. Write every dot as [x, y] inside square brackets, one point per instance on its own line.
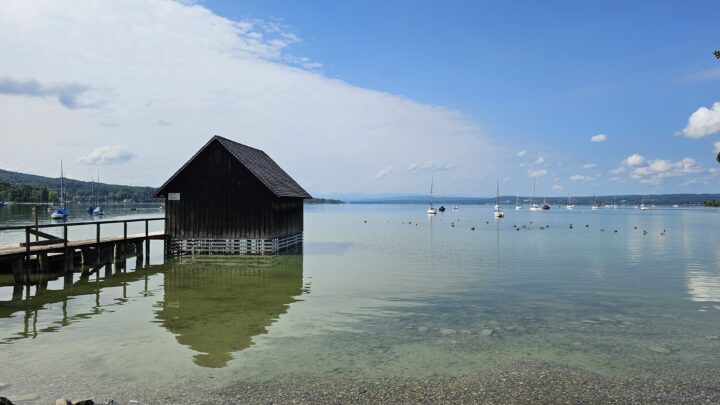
[382, 291]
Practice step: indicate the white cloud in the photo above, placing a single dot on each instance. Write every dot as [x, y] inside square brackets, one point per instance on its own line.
[589, 166]
[429, 166]
[655, 171]
[634, 160]
[108, 155]
[537, 173]
[614, 178]
[598, 138]
[703, 122]
[156, 62]
[618, 170]
[556, 186]
[383, 172]
[540, 160]
[521, 153]
[580, 177]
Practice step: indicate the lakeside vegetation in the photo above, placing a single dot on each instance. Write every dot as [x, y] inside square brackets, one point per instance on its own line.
[21, 187]
[712, 203]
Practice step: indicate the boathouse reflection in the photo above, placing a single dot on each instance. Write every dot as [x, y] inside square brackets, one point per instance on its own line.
[216, 304]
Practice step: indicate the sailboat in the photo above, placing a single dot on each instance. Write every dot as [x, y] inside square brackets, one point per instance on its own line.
[569, 205]
[497, 213]
[431, 210]
[61, 212]
[643, 206]
[595, 205]
[98, 209]
[533, 206]
[518, 207]
[92, 195]
[545, 205]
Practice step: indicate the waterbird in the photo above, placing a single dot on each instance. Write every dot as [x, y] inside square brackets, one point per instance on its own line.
[365, 221]
[587, 226]
[602, 230]
[644, 232]
[571, 227]
[472, 229]
[615, 231]
[634, 227]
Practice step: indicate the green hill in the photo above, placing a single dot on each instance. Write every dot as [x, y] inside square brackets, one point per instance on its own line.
[21, 187]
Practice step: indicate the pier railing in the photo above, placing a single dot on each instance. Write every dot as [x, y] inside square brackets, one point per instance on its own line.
[61, 243]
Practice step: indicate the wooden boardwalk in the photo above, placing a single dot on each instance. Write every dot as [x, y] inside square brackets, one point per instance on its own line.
[10, 251]
[35, 255]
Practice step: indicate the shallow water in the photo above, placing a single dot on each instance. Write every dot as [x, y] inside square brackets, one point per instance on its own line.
[385, 291]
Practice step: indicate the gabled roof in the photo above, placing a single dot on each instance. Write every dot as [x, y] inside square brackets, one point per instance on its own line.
[258, 163]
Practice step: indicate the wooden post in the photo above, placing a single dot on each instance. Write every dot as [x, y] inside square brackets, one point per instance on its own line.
[27, 254]
[66, 266]
[147, 243]
[36, 222]
[124, 244]
[97, 241]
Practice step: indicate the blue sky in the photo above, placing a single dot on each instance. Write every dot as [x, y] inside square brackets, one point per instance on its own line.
[454, 90]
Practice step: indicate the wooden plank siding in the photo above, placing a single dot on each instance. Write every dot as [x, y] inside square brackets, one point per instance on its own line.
[221, 199]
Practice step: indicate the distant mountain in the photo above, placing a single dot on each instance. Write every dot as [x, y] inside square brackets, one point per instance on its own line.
[630, 199]
[21, 187]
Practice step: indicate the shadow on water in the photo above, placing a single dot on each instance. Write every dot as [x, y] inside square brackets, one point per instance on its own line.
[33, 299]
[216, 304]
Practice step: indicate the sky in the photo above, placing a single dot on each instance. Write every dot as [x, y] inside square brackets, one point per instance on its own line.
[370, 97]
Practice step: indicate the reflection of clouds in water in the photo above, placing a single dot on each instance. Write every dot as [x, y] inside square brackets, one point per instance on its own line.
[597, 270]
[703, 286]
[634, 247]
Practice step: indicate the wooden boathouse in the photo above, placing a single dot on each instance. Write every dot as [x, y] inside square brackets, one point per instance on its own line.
[231, 198]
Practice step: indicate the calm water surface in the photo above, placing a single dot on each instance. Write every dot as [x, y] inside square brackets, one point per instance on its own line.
[384, 290]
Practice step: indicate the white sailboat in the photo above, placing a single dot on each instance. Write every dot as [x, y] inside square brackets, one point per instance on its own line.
[595, 205]
[569, 205]
[642, 205]
[431, 210]
[98, 209]
[533, 206]
[61, 212]
[497, 212]
[518, 207]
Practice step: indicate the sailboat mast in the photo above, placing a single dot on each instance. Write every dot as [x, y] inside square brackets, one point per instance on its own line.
[431, 190]
[532, 200]
[62, 185]
[497, 194]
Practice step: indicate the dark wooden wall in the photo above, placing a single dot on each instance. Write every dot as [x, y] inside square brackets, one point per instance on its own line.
[221, 199]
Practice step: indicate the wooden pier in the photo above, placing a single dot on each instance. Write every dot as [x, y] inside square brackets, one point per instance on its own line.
[38, 253]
